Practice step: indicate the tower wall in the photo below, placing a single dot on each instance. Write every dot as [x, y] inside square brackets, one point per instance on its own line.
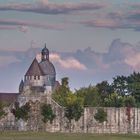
[34, 80]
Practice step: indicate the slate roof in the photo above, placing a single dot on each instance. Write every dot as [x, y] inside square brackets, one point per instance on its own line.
[34, 69]
[47, 67]
[8, 97]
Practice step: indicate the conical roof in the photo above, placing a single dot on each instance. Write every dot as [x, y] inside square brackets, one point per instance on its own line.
[34, 69]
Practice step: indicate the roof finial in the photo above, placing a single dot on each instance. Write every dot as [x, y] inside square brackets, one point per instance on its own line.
[45, 45]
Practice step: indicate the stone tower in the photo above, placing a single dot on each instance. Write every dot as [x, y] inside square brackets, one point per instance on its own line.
[41, 76]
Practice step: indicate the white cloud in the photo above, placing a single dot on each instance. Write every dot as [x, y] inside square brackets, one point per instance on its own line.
[68, 63]
[23, 29]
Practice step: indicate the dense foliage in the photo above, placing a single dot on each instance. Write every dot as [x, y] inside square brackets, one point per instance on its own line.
[72, 103]
[124, 91]
[47, 113]
[21, 112]
[73, 111]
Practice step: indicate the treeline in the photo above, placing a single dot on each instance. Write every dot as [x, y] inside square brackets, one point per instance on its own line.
[124, 91]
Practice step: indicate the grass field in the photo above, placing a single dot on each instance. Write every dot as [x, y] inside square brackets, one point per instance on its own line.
[61, 136]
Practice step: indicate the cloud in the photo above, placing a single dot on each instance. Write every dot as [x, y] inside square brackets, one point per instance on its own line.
[133, 61]
[82, 66]
[122, 57]
[38, 57]
[24, 24]
[115, 20]
[122, 19]
[44, 1]
[67, 63]
[92, 60]
[132, 57]
[6, 60]
[43, 7]
[2, 27]
[102, 23]
[135, 6]
[127, 17]
[23, 29]
[117, 51]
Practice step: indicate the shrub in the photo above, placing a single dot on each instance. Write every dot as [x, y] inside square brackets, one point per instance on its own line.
[101, 115]
[47, 113]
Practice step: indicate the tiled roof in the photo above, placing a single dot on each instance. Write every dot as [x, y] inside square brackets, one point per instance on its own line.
[34, 69]
[8, 97]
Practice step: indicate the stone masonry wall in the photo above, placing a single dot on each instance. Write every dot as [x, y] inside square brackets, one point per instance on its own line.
[119, 120]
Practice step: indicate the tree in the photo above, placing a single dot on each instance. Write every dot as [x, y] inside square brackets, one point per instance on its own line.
[120, 85]
[89, 95]
[21, 112]
[130, 101]
[104, 89]
[73, 109]
[134, 85]
[62, 92]
[114, 100]
[47, 113]
[2, 112]
[101, 115]
[65, 82]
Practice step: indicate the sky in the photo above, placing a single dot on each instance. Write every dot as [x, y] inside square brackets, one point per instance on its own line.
[89, 40]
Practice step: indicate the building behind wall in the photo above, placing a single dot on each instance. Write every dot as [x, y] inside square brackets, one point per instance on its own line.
[37, 87]
[41, 76]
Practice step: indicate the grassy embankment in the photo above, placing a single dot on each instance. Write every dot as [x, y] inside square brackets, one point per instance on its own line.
[62, 136]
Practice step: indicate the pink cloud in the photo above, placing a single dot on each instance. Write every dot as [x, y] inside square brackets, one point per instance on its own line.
[134, 61]
[51, 8]
[44, 1]
[68, 63]
[123, 19]
[104, 23]
[7, 27]
[24, 24]
[132, 58]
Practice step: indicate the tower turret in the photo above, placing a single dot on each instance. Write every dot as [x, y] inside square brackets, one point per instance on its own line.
[45, 54]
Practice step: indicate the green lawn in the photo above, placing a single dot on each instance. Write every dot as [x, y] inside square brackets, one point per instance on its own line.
[61, 136]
